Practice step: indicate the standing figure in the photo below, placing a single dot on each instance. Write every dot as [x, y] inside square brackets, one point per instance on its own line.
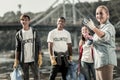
[104, 44]
[60, 49]
[28, 49]
[86, 54]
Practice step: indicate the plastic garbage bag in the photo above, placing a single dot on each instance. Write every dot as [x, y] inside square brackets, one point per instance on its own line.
[17, 74]
[81, 77]
[71, 75]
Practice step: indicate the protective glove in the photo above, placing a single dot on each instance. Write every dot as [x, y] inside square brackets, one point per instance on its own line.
[70, 58]
[39, 60]
[89, 23]
[53, 61]
[86, 35]
[16, 62]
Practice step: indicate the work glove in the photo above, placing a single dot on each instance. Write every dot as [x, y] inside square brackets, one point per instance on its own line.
[89, 23]
[16, 62]
[53, 61]
[39, 60]
[86, 35]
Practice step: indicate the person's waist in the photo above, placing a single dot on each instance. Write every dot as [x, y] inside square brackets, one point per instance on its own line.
[60, 54]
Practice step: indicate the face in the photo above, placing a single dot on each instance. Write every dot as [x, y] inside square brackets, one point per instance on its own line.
[25, 21]
[60, 24]
[101, 15]
[84, 31]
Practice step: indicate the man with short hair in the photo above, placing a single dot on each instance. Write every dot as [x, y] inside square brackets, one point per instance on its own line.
[60, 49]
[28, 49]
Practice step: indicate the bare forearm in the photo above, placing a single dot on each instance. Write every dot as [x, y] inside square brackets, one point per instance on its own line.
[50, 46]
[70, 49]
[17, 55]
[99, 32]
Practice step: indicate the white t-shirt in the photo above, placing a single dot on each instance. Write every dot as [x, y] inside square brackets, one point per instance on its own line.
[59, 39]
[87, 54]
[28, 47]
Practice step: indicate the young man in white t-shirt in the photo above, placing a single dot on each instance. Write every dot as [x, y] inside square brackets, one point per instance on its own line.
[60, 49]
[28, 49]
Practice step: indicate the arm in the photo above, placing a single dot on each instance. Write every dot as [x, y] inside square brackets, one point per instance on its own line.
[17, 52]
[70, 51]
[99, 32]
[38, 43]
[50, 46]
[81, 42]
[91, 25]
[80, 49]
[16, 61]
[80, 52]
[50, 49]
[40, 59]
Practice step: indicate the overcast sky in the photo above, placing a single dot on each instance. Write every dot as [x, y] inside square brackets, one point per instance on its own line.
[29, 5]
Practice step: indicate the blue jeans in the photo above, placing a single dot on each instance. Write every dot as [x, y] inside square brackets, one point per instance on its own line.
[81, 77]
[88, 68]
[71, 75]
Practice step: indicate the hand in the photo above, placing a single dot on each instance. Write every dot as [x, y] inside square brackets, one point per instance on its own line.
[86, 35]
[53, 61]
[16, 62]
[89, 23]
[78, 73]
[70, 58]
[40, 60]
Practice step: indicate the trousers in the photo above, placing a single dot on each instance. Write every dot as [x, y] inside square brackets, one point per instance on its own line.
[59, 68]
[34, 69]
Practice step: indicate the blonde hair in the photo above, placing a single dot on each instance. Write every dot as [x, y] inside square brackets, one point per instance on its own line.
[105, 8]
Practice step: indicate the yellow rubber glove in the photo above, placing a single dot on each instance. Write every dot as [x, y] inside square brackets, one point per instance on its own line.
[39, 60]
[16, 62]
[53, 61]
[70, 58]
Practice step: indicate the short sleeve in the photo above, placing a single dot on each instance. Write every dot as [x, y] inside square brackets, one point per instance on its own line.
[69, 38]
[50, 37]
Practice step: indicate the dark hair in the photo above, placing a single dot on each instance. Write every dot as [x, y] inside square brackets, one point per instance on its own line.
[24, 16]
[62, 18]
[82, 37]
